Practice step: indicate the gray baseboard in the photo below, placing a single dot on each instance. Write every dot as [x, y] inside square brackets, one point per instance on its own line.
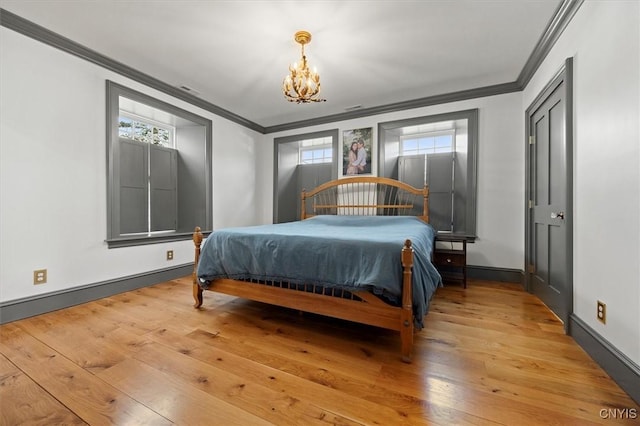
[622, 370]
[495, 274]
[35, 305]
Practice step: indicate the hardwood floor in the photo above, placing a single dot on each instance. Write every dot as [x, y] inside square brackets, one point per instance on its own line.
[489, 355]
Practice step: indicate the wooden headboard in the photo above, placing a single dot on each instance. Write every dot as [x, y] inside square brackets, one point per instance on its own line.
[366, 196]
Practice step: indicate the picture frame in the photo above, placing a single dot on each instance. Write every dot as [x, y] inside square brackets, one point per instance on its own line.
[357, 152]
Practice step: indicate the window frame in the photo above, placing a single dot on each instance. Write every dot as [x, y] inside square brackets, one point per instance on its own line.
[390, 132]
[281, 172]
[314, 147]
[149, 122]
[434, 134]
[203, 193]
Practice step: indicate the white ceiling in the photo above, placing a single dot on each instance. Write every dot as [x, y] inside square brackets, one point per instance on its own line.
[235, 54]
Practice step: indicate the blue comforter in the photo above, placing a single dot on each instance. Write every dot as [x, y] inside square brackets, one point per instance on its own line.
[347, 252]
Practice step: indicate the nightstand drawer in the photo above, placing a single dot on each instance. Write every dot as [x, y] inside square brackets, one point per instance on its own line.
[445, 257]
[450, 257]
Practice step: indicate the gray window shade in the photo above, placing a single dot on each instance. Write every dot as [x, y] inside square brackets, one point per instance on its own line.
[163, 179]
[440, 181]
[309, 177]
[133, 186]
[148, 174]
[436, 170]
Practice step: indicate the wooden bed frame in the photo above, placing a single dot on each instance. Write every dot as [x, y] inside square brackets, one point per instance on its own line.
[361, 195]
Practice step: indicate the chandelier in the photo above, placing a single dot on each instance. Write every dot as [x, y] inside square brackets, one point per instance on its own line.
[302, 85]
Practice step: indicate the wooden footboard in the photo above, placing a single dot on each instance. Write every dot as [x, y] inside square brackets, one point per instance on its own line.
[363, 307]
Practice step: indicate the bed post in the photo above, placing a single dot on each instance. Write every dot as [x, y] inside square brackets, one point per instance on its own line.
[303, 210]
[197, 290]
[425, 203]
[406, 316]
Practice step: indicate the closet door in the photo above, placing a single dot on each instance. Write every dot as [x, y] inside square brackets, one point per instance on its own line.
[549, 218]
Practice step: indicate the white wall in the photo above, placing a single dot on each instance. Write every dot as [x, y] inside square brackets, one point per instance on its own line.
[501, 148]
[604, 40]
[53, 177]
[53, 173]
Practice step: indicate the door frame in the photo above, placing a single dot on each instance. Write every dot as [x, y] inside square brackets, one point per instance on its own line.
[564, 75]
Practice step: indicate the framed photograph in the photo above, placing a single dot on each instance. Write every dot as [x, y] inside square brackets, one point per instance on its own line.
[357, 151]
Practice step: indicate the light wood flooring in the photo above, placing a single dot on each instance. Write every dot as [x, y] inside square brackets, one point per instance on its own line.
[489, 355]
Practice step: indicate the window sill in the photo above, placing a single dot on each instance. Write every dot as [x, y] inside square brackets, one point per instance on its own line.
[455, 236]
[142, 240]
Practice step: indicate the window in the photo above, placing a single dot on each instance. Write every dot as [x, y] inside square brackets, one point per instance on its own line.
[439, 151]
[159, 173]
[429, 143]
[314, 151]
[148, 176]
[143, 130]
[301, 162]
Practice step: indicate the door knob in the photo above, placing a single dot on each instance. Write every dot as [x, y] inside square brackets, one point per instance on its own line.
[559, 215]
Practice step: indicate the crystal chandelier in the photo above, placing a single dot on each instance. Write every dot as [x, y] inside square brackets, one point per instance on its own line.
[302, 85]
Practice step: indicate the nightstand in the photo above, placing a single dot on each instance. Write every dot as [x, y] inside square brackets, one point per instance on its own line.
[450, 258]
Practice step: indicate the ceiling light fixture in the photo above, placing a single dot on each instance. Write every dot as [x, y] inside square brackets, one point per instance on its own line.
[301, 85]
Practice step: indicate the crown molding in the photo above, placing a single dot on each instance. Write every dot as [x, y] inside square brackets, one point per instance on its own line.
[563, 15]
[561, 18]
[462, 95]
[27, 28]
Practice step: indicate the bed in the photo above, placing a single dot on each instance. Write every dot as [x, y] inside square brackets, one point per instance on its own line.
[361, 251]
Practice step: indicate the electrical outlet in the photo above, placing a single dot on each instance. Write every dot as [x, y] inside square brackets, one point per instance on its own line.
[39, 276]
[169, 254]
[602, 312]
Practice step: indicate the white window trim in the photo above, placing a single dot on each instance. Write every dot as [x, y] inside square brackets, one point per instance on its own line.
[451, 132]
[152, 122]
[324, 158]
[317, 147]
